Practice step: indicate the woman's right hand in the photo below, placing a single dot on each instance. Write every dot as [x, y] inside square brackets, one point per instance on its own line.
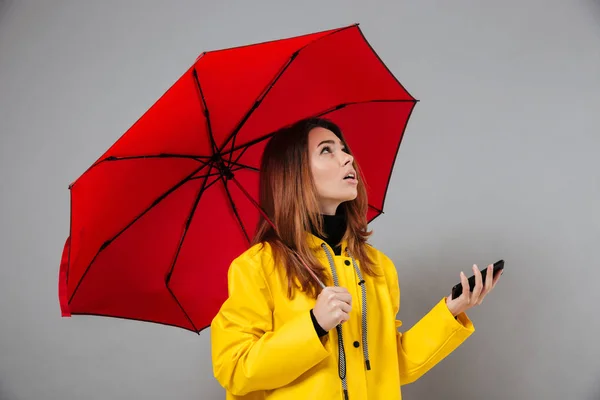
[333, 307]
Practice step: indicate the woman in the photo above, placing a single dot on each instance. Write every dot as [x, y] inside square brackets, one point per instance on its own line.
[280, 335]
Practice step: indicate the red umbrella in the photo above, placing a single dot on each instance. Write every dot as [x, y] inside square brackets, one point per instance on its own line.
[158, 218]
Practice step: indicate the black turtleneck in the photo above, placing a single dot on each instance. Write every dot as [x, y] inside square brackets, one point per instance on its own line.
[334, 227]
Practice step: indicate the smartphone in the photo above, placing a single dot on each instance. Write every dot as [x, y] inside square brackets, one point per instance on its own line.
[457, 289]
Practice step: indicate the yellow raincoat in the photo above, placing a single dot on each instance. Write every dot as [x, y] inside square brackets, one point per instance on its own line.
[264, 345]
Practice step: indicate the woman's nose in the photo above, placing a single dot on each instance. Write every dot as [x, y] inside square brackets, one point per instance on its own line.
[347, 159]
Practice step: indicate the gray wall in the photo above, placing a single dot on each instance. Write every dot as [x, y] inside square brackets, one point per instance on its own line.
[500, 161]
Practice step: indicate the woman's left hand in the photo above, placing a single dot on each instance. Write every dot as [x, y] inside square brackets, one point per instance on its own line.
[470, 299]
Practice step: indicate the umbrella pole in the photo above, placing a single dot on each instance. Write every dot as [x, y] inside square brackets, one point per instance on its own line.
[259, 208]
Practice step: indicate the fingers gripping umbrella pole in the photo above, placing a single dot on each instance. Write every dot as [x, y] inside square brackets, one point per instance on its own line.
[259, 208]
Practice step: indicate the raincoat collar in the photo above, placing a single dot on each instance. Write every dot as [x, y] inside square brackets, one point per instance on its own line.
[315, 243]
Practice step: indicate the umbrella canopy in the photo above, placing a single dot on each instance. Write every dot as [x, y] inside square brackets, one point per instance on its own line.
[158, 218]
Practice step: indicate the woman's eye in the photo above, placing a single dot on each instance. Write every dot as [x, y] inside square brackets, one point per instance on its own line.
[325, 148]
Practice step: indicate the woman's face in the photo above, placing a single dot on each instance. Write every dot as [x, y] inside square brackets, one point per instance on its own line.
[332, 170]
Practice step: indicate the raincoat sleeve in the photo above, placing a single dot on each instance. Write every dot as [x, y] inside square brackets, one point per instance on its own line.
[431, 339]
[247, 353]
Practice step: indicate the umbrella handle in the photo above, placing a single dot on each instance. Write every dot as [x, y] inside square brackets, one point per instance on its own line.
[261, 211]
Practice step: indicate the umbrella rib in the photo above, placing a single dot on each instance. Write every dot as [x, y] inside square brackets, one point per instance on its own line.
[148, 156]
[217, 174]
[183, 236]
[206, 112]
[234, 208]
[162, 155]
[238, 157]
[212, 183]
[154, 204]
[243, 166]
[236, 162]
[320, 114]
[264, 93]
[257, 102]
[375, 208]
[239, 167]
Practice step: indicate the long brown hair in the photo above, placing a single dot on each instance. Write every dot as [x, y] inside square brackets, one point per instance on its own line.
[288, 197]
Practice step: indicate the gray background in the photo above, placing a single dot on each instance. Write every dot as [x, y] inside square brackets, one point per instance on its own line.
[500, 160]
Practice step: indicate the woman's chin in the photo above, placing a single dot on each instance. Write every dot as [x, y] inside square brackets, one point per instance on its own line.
[349, 197]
